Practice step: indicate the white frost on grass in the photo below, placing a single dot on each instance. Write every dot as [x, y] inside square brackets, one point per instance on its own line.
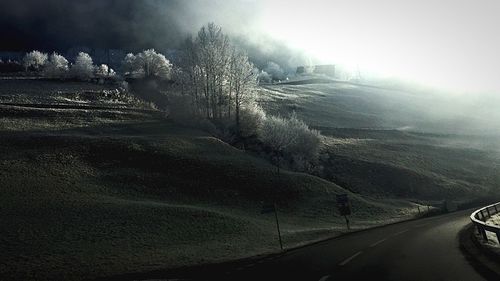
[331, 141]
[494, 220]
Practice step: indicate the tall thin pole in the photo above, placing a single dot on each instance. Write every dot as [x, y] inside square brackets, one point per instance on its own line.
[347, 223]
[278, 225]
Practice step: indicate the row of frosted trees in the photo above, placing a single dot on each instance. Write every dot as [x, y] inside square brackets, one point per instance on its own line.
[57, 66]
[146, 64]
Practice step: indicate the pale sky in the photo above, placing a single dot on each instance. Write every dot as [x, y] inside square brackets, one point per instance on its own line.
[453, 44]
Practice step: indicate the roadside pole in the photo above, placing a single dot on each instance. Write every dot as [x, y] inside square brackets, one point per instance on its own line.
[278, 225]
[347, 223]
[270, 209]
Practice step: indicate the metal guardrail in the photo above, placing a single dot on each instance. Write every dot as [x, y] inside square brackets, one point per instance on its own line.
[480, 216]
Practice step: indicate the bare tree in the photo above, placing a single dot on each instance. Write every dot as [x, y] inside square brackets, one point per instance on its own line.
[212, 49]
[218, 77]
[243, 80]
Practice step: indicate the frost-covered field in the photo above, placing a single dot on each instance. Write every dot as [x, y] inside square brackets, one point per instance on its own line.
[101, 190]
[395, 143]
[54, 105]
[138, 197]
[343, 105]
[148, 194]
[56, 92]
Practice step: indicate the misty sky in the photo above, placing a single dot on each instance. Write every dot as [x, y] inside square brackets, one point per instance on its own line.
[448, 43]
[451, 43]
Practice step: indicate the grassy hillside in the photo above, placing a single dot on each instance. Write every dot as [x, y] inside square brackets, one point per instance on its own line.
[344, 105]
[74, 205]
[95, 192]
[381, 142]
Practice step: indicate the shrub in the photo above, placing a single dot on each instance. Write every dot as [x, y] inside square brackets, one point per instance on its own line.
[275, 71]
[103, 72]
[252, 118]
[264, 78]
[292, 139]
[306, 142]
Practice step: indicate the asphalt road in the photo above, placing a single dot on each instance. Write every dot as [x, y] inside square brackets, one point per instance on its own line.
[426, 249]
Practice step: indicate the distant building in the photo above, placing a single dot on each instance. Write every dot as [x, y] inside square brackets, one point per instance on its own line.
[327, 69]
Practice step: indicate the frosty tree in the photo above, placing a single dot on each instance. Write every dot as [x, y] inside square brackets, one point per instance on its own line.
[128, 64]
[34, 60]
[104, 71]
[56, 67]
[147, 64]
[218, 77]
[242, 80]
[83, 68]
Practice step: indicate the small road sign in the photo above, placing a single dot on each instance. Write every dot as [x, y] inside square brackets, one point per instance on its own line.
[343, 204]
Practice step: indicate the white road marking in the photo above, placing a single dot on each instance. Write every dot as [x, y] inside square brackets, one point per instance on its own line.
[401, 232]
[350, 258]
[324, 278]
[378, 242]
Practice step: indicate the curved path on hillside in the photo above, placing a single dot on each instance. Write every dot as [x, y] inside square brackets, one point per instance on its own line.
[426, 249]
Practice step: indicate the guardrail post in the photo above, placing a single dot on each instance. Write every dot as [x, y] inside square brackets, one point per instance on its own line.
[498, 236]
[483, 233]
[488, 211]
[482, 215]
[496, 210]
